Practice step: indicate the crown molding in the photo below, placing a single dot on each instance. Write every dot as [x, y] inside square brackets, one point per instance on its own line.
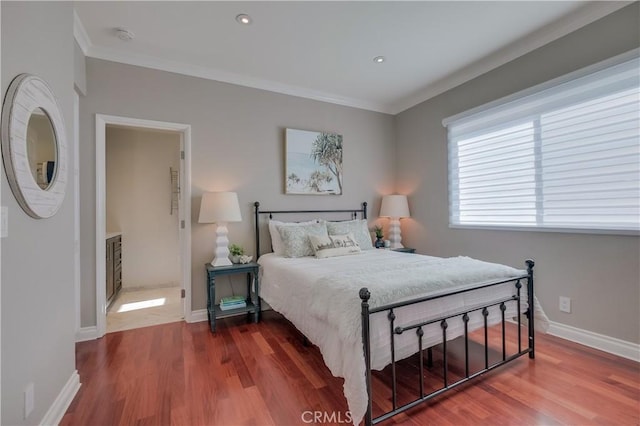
[90, 50]
[586, 15]
[80, 34]
[231, 78]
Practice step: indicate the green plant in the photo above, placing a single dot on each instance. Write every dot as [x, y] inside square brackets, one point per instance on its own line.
[236, 250]
[378, 230]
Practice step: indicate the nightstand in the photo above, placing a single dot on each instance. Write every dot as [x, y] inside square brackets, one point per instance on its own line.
[404, 249]
[213, 310]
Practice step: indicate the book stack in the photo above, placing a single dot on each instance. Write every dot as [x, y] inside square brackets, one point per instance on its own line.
[232, 302]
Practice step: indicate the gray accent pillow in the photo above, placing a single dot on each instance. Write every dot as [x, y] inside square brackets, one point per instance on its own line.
[295, 239]
[276, 241]
[358, 227]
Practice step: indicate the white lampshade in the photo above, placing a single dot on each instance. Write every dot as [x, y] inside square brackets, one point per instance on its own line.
[394, 206]
[220, 208]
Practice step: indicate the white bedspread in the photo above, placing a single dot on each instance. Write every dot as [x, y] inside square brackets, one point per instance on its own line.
[320, 297]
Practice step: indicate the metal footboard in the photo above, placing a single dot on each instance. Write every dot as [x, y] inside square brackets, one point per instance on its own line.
[417, 328]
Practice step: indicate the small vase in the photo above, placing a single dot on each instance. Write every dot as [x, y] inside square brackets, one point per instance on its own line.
[235, 258]
[379, 242]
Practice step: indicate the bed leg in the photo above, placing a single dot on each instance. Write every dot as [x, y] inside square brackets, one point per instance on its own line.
[366, 346]
[530, 297]
[429, 357]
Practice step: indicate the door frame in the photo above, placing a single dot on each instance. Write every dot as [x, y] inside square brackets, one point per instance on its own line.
[184, 210]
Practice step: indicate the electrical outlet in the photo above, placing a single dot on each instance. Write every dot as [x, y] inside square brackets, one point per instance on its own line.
[29, 400]
[565, 304]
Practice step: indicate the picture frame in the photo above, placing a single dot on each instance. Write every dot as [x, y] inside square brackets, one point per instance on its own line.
[313, 163]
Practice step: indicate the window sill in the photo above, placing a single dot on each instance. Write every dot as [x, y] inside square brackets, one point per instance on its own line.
[549, 229]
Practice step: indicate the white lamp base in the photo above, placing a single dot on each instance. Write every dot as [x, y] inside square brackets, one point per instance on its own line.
[394, 233]
[221, 257]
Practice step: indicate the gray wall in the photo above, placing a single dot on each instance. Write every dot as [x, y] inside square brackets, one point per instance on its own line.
[598, 272]
[37, 256]
[237, 145]
[80, 69]
[138, 204]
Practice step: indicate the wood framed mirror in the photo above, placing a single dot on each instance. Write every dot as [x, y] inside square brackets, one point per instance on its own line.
[34, 146]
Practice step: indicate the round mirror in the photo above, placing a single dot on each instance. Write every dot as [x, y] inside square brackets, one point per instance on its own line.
[34, 146]
[41, 148]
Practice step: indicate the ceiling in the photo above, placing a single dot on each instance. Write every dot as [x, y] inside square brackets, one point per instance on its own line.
[325, 50]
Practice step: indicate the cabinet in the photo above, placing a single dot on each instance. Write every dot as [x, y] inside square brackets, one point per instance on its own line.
[253, 306]
[114, 267]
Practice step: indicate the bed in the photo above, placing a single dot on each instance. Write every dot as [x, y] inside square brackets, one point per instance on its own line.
[370, 310]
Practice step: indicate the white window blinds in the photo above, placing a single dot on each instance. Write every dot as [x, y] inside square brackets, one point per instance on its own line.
[563, 155]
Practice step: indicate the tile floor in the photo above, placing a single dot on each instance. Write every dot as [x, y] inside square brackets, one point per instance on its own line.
[143, 308]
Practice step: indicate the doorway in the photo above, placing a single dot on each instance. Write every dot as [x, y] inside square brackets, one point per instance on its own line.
[145, 296]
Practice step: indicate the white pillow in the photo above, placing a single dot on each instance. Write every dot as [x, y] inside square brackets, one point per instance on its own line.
[357, 227]
[295, 239]
[335, 245]
[320, 242]
[276, 239]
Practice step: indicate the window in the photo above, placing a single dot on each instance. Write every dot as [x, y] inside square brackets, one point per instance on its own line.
[563, 155]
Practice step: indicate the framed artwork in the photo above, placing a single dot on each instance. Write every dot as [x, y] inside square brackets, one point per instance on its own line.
[313, 163]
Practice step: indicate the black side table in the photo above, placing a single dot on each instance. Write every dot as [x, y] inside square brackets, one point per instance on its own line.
[213, 310]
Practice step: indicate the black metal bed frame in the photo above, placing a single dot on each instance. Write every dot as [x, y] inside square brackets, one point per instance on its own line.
[257, 212]
[396, 330]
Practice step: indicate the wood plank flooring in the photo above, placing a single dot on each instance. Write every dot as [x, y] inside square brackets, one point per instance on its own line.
[262, 374]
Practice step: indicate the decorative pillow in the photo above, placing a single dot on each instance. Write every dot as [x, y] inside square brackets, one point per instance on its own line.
[320, 242]
[295, 239]
[335, 245]
[276, 241]
[347, 240]
[358, 228]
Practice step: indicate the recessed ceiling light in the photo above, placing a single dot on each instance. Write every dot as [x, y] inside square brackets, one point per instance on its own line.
[378, 59]
[243, 19]
[124, 34]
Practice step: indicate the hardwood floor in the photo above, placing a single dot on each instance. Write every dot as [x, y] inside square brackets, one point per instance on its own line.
[262, 374]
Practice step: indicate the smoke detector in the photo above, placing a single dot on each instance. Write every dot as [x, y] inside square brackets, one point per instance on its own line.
[124, 34]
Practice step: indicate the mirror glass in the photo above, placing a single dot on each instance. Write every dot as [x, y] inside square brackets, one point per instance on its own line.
[41, 148]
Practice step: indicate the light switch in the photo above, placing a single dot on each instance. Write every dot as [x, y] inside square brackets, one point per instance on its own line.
[4, 232]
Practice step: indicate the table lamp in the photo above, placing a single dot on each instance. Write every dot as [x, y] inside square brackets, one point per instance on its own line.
[394, 207]
[220, 208]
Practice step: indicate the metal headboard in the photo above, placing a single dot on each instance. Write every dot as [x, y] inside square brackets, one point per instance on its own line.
[353, 212]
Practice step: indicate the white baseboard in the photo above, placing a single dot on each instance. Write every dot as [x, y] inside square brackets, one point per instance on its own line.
[87, 333]
[54, 414]
[91, 333]
[198, 316]
[604, 343]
